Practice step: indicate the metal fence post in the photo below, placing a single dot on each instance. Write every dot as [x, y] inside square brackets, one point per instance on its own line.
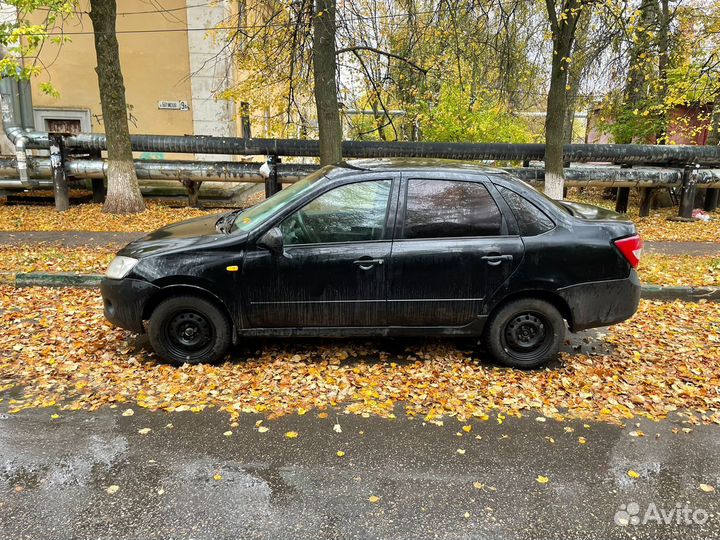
[646, 198]
[687, 193]
[711, 199]
[98, 184]
[272, 184]
[57, 164]
[623, 200]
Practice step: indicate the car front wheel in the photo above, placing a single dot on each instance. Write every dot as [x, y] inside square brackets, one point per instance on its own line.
[189, 329]
[525, 333]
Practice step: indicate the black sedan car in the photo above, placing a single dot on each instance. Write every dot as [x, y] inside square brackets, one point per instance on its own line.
[382, 248]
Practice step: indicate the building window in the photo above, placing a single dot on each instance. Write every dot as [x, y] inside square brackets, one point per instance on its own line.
[63, 120]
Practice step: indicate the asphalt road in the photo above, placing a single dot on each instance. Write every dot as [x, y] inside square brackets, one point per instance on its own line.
[192, 481]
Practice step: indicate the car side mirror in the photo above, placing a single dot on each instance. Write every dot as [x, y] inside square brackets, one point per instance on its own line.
[272, 241]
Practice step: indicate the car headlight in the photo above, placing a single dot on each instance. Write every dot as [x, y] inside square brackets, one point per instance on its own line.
[120, 267]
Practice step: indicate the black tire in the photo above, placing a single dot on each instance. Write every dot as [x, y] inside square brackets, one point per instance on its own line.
[189, 329]
[525, 333]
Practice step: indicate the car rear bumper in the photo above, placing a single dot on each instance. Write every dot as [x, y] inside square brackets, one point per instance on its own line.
[602, 303]
[124, 300]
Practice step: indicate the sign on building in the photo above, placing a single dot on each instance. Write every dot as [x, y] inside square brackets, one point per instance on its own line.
[174, 105]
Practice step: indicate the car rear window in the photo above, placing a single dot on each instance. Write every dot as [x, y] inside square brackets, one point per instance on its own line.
[448, 208]
[531, 220]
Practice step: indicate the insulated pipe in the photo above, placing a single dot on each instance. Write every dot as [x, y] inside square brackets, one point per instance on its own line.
[196, 171]
[637, 176]
[231, 171]
[27, 116]
[620, 153]
[11, 119]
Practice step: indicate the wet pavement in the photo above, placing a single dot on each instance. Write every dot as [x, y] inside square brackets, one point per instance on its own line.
[696, 249]
[112, 240]
[186, 479]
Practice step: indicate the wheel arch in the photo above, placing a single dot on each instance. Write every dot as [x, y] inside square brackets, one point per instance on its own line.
[183, 289]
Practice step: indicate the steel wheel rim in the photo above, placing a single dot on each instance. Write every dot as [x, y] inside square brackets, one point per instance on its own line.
[188, 334]
[527, 335]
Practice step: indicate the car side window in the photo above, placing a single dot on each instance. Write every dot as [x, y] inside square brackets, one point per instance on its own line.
[349, 213]
[531, 220]
[448, 208]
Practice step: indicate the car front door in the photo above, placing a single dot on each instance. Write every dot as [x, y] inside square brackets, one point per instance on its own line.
[332, 272]
[452, 249]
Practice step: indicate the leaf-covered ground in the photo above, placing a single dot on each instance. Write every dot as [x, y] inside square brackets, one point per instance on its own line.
[43, 258]
[89, 217]
[655, 269]
[57, 348]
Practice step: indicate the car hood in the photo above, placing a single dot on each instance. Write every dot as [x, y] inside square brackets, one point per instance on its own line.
[190, 233]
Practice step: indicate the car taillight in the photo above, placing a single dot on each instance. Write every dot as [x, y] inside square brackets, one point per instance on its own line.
[631, 248]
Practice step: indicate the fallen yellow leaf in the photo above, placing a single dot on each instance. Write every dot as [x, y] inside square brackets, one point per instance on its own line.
[340, 453]
[373, 498]
[291, 434]
[542, 479]
[633, 474]
[707, 488]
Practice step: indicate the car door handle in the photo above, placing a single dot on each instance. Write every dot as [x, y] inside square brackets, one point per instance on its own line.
[494, 260]
[367, 264]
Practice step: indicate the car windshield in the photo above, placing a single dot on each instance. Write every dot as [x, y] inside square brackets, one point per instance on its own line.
[258, 214]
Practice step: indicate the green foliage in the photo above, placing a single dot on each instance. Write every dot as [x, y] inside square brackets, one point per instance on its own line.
[456, 117]
[639, 123]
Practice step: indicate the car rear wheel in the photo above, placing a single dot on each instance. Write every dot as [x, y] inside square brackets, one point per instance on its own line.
[189, 329]
[525, 333]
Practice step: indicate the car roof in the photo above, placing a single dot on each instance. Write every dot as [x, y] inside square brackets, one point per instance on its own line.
[413, 164]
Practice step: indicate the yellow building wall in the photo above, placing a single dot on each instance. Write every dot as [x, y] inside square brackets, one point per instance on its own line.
[155, 67]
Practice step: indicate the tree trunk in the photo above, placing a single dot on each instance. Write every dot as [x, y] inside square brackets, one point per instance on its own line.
[324, 71]
[575, 73]
[123, 194]
[563, 34]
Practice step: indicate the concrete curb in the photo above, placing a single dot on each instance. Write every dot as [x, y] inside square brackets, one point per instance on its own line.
[688, 294]
[90, 281]
[60, 279]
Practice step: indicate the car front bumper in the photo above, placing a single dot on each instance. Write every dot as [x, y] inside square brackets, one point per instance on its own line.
[602, 303]
[124, 301]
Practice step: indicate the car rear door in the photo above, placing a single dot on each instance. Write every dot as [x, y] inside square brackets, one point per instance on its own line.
[334, 266]
[454, 246]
